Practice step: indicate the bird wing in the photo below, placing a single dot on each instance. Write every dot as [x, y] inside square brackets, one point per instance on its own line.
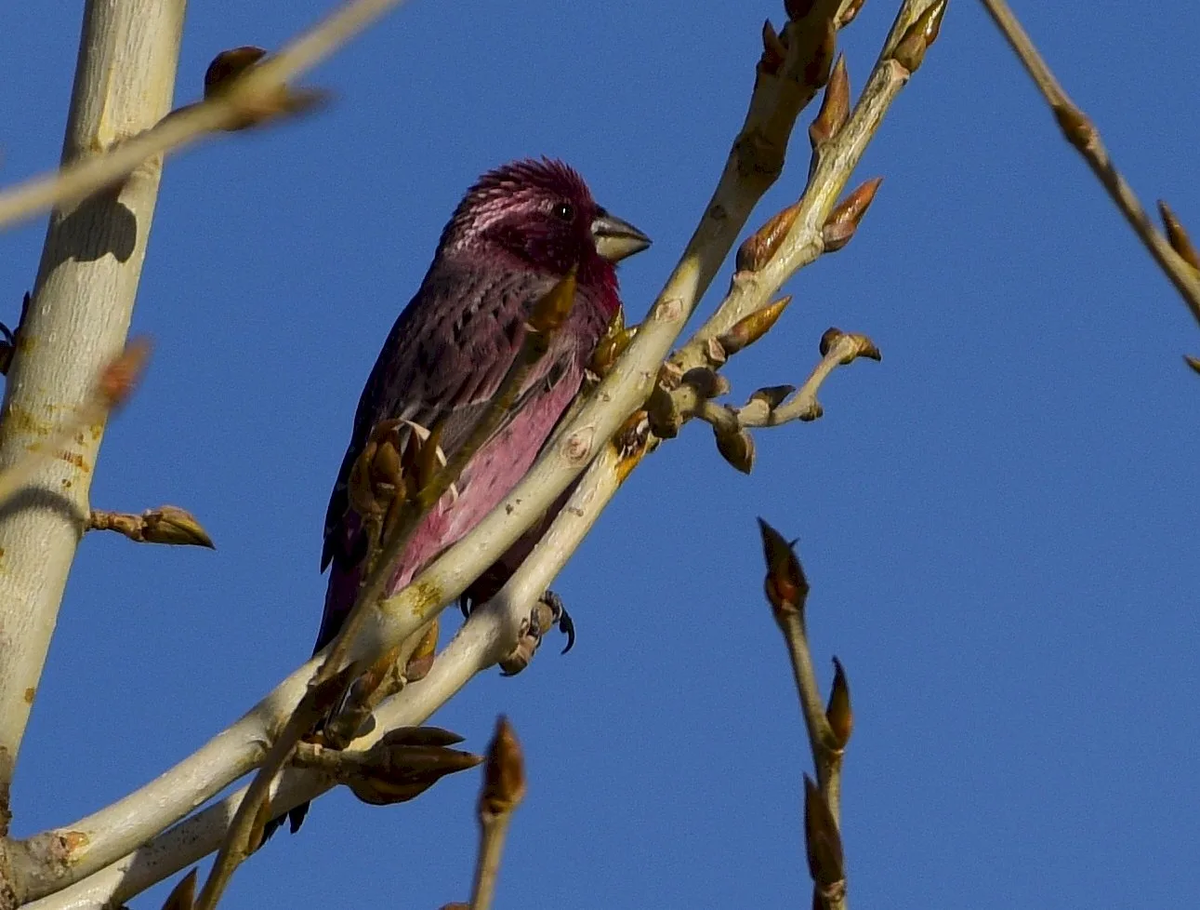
[443, 360]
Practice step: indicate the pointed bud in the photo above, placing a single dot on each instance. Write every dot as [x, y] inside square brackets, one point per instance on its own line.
[760, 246]
[774, 50]
[919, 37]
[848, 14]
[785, 585]
[401, 766]
[838, 712]
[183, 895]
[1193, 362]
[773, 395]
[504, 775]
[835, 106]
[227, 66]
[822, 842]
[737, 448]
[750, 329]
[1177, 236]
[223, 73]
[118, 379]
[855, 345]
[173, 525]
[610, 348]
[552, 310]
[843, 221]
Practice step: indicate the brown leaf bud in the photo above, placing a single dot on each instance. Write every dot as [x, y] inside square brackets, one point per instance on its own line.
[504, 774]
[1075, 125]
[750, 329]
[838, 711]
[737, 448]
[843, 221]
[610, 348]
[1191, 361]
[756, 251]
[402, 765]
[773, 395]
[173, 525]
[774, 50]
[851, 345]
[835, 106]
[118, 379]
[183, 895]
[552, 309]
[919, 37]
[228, 65]
[785, 585]
[822, 842]
[1177, 236]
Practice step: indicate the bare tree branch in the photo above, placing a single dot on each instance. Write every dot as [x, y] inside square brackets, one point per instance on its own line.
[503, 789]
[75, 326]
[1081, 133]
[495, 628]
[254, 97]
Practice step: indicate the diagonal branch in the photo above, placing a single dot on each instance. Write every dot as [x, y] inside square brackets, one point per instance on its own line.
[258, 92]
[1081, 133]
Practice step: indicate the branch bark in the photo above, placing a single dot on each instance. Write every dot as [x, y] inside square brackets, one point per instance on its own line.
[77, 322]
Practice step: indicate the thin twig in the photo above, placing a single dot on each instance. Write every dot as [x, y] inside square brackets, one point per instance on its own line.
[186, 126]
[503, 790]
[165, 524]
[114, 386]
[787, 591]
[1081, 133]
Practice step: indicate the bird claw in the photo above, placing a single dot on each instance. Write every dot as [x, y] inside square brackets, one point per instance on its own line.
[547, 613]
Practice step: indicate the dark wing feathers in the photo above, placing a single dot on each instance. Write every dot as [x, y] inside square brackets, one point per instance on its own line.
[444, 358]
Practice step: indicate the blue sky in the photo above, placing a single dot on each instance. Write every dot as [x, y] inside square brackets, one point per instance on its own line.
[998, 520]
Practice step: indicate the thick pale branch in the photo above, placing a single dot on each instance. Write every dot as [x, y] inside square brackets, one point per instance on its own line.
[75, 326]
[253, 94]
[1081, 133]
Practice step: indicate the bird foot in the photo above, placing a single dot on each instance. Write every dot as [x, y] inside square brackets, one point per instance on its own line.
[547, 613]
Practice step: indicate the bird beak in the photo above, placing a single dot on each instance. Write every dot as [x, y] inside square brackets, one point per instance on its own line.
[616, 239]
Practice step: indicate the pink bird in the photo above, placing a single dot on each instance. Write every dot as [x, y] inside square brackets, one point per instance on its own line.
[517, 231]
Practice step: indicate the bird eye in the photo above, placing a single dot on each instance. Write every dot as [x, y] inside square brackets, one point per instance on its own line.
[564, 211]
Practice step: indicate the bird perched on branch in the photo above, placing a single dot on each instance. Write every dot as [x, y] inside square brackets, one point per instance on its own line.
[520, 229]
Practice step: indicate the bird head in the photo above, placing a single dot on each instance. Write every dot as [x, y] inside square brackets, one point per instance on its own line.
[542, 213]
